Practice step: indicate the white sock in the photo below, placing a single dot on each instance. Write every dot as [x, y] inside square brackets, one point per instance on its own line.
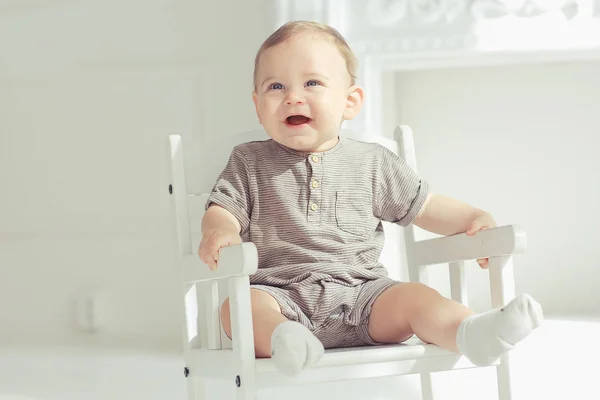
[483, 338]
[294, 347]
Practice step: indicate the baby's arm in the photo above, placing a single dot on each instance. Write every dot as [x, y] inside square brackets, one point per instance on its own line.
[218, 218]
[220, 228]
[447, 216]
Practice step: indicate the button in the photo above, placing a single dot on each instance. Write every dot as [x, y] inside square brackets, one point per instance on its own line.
[315, 184]
[313, 207]
[315, 159]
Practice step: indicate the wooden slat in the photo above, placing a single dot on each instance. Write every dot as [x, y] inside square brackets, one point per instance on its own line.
[213, 364]
[242, 336]
[195, 203]
[405, 138]
[192, 336]
[406, 149]
[502, 290]
[500, 241]
[213, 318]
[426, 386]
[458, 284]
[234, 261]
[502, 280]
[178, 190]
[504, 378]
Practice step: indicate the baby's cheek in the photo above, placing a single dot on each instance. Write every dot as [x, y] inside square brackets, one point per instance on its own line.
[328, 110]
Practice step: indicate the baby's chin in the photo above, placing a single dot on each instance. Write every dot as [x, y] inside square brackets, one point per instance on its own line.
[297, 144]
[309, 144]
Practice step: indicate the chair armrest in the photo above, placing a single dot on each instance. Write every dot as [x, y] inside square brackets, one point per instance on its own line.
[499, 241]
[234, 261]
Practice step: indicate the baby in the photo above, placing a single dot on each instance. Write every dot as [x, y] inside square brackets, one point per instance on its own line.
[313, 203]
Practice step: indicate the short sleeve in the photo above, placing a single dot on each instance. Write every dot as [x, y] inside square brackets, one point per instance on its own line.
[232, 189]
[399, 191]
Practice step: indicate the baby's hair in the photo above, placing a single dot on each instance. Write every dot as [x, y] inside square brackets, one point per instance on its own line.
[293, 28]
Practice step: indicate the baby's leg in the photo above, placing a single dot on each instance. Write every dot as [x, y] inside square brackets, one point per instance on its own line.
[409, 308]
[417, 308]
[266, 316]
[291, 345]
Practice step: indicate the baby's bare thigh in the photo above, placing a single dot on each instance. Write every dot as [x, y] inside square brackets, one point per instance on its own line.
[259, 300]
[389, 321]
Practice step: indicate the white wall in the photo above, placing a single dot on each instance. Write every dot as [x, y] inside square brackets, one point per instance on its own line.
[521, 142]
[88, 93]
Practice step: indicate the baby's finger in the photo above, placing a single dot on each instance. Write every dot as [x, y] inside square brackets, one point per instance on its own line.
[211, 261]
[476, 227]
[206, 255]
[473, 228]
[483, 262]
[214, 259]
[212, 265]
[212, 248]
[202, 253]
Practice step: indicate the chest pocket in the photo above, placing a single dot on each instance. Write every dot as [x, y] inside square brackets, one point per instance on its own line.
[354, 211]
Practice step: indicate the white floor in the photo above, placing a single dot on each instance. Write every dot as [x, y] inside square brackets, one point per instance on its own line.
[559, 360]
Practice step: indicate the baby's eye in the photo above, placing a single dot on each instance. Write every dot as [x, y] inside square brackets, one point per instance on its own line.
[313, 83]
[276, 86]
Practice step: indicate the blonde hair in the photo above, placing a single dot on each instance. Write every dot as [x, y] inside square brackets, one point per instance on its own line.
[293, 28]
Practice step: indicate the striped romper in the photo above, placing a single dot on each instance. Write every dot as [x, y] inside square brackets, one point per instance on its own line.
[316, 222]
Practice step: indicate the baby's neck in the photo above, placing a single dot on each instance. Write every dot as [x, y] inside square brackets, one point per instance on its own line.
[326, 146]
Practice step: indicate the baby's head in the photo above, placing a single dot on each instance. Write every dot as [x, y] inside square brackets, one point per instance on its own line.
[304, 85]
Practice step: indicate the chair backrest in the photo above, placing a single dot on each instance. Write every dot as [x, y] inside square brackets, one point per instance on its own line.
[194, 172]
[404, 138]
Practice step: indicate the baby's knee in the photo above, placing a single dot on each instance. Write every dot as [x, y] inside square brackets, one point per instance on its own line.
[416, 294]
[421, 288]
[226, 317]
[259, 300]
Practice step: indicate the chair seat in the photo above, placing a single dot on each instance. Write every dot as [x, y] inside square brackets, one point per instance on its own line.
[411, 349]
[410, 357]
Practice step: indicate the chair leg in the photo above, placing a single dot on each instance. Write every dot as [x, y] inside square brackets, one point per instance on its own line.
[504, 381]
[195, 389]
[426, 387]
[245, 394]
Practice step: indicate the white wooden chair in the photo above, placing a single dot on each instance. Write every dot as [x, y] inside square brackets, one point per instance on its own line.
[209, 354]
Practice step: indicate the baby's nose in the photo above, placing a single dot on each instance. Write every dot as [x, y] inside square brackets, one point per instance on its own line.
[294, 99]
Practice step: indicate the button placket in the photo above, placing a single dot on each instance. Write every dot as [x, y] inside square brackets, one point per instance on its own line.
[315, 195]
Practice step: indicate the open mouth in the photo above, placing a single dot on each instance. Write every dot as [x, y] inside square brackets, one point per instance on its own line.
[297, 120]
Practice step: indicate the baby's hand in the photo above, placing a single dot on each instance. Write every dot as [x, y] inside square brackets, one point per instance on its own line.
[212, 242]
[484, 222]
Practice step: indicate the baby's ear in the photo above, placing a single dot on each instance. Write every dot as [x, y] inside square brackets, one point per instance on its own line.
[354, 102]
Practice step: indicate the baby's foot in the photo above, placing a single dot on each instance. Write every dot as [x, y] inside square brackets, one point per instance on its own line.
[294, 347]
[483, 338]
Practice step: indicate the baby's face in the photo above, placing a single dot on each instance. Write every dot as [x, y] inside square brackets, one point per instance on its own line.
[303, 93]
